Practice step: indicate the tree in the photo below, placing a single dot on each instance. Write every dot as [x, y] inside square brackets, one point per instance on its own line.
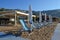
[2, 9]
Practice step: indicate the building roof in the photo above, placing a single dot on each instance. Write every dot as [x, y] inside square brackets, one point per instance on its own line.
[11, 13]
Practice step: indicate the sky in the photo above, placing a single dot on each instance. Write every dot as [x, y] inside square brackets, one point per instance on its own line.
[37, 5]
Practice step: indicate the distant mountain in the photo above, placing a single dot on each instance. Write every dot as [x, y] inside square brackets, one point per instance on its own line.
[55, 13]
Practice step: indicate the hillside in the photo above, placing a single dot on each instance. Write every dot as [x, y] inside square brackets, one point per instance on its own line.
[55, 13]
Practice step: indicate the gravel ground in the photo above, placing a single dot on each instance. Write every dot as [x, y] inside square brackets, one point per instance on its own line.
[44, 33]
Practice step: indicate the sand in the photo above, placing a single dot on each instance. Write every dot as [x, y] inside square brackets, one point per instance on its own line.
[44, 33]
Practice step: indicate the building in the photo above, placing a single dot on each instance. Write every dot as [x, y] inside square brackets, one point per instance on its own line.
[12, 17]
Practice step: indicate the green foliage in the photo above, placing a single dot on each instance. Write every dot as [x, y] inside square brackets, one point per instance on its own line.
[2, 9]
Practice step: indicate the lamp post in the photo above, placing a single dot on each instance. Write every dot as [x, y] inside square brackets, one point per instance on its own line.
[30, 17]
[50, 18]
[45, 17]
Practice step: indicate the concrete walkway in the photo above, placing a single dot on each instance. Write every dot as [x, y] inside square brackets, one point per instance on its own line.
[56, 35]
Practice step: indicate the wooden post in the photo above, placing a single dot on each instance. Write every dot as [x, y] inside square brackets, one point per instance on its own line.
[15, 19]
[28, 18]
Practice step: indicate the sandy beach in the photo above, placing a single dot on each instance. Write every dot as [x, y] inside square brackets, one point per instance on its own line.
[44, 33]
